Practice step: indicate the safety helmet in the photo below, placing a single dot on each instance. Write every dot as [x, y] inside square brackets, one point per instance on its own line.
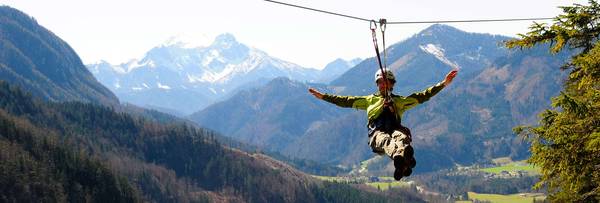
[389, 75]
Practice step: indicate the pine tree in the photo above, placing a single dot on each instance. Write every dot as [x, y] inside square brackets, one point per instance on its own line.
[566, 143]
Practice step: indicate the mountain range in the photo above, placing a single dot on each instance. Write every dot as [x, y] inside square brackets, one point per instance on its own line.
[62, 139]
[177, 77]
[66, 143]
[468, 122]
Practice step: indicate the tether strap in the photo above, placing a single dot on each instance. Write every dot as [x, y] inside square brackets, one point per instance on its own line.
[373, 26]
[382, 26]
[375, 44]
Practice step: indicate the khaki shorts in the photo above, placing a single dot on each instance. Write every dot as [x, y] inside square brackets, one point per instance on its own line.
[391, 145]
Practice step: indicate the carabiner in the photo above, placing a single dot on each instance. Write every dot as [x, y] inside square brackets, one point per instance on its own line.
[373, 25]
[382, 24]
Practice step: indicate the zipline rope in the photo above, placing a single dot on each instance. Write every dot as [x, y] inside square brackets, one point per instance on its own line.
[322, 11]
[468, 21]
[413, 22]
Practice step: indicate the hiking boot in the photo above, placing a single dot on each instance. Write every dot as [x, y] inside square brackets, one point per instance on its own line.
[398, 174]
[407, 172]
[399, 167]
[412, 162]
[409, 151]
[399, 161]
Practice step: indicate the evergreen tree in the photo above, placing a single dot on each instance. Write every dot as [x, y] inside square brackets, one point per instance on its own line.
[566, 144]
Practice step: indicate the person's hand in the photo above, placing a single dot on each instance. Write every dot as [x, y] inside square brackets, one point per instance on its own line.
[449, 77]
[315, 93]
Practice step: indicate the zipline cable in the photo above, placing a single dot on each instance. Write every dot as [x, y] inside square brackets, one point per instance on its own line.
[413, 22]
[468, 21]
[322, 11]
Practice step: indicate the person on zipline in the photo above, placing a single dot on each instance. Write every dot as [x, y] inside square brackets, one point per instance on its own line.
[386, 133]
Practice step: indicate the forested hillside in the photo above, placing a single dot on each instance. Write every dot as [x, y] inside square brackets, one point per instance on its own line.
[81, 150]
[40, 62]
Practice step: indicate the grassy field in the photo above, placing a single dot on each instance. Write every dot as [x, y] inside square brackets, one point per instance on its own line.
[502, 164]
[326, 178]
[513, 167]
[340, 179]
[386, 185]
[514, 198]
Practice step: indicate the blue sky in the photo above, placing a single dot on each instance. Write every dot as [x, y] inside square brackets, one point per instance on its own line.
[119, 30]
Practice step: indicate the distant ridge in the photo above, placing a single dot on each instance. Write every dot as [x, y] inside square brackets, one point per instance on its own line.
[40, 62]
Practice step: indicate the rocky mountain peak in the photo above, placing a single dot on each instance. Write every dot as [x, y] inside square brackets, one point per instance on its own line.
[225, 40]
[440, 29]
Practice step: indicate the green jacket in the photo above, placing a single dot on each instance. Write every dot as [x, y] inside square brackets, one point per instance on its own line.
[374, 103]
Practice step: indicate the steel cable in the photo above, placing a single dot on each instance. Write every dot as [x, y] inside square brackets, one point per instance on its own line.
[412, 22]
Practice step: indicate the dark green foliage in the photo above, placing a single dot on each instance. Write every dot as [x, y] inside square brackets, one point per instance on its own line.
[150, 114]
[332, 192]
[566, 143]
[35, 167]
[309, 166]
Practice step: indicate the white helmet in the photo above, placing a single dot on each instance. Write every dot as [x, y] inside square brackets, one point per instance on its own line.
[389, 75]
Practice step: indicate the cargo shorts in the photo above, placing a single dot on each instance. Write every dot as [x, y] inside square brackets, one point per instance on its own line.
[391, 145]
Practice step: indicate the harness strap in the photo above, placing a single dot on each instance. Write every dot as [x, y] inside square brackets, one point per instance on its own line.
[382, 27]
[382, 67]
[373, 27]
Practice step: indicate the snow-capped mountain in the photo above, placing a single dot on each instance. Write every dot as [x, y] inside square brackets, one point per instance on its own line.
[175, 75]
[425, 58]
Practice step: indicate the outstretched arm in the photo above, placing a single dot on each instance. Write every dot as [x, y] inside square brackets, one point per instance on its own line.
[342, 101]
[430, 92]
